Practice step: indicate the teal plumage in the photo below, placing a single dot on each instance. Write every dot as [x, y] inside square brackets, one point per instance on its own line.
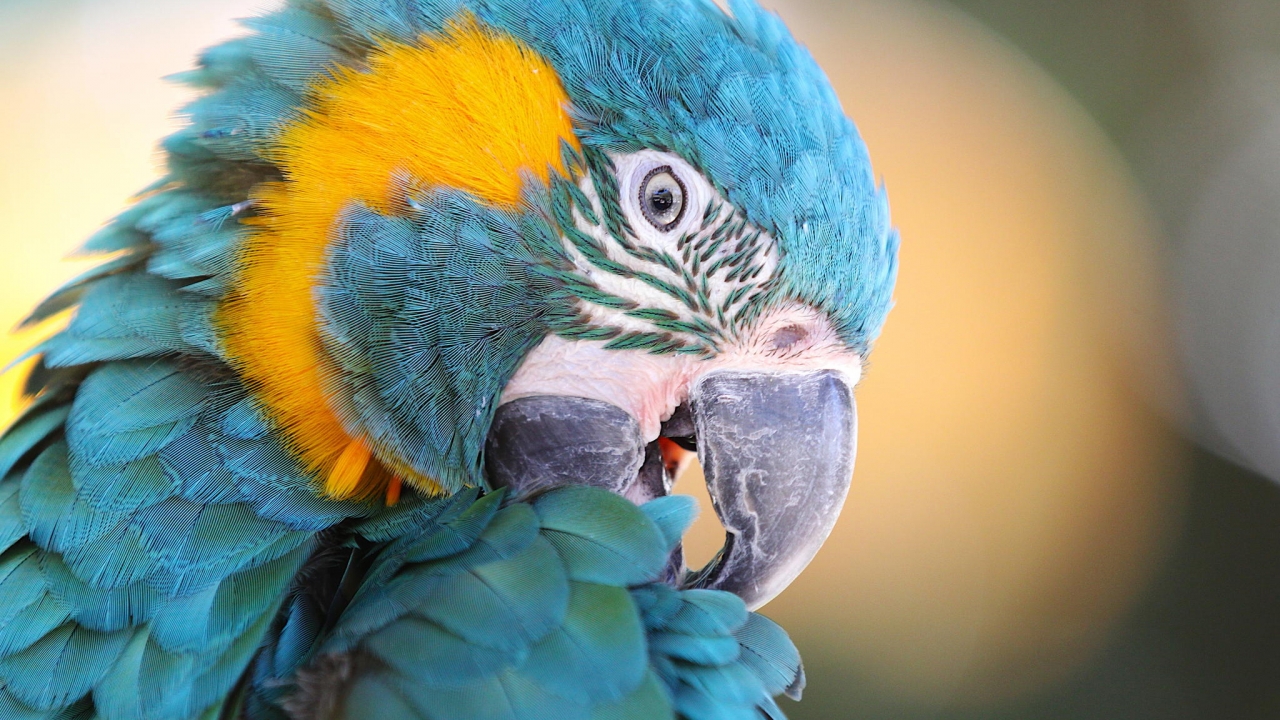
[521, 611]
[145, 578]
[162, 553]
[148, 598]
[525, 611]
[425, 344]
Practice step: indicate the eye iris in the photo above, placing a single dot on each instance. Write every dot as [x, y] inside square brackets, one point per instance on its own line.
[662, 198]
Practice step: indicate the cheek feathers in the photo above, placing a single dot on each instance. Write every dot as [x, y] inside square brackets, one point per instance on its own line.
[469, 109]
[649, 387]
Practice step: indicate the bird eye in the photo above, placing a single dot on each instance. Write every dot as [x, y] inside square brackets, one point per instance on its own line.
[662, 198]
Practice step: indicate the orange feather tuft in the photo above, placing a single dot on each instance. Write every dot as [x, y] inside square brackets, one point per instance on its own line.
[393, 492]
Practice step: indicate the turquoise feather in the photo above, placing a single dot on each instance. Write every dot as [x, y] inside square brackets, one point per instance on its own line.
[162, 555]
[119, 550]
[491, 624]
[28, 431]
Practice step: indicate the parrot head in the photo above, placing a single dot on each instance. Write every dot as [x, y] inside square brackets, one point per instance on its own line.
[535, 242]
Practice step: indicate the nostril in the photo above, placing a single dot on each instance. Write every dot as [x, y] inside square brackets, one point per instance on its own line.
[787, 337]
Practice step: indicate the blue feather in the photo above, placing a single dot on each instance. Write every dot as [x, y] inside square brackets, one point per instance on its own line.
[240, 122]
[293, 47]
[106, 610]
[55, 517]
[12, 526]
[118, 696]
[124, 317]
[28, 432]
[673, 514]
[219, 65]
[71, 293]
[769, 653]
[27, 610]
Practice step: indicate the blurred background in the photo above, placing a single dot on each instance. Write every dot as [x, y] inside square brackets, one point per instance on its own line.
[1062, 506]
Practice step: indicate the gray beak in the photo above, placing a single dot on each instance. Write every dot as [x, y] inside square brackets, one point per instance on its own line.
[537, 443]
[777, 450]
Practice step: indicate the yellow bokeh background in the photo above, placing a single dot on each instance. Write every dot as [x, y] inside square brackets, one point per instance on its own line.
[85, 105]
[1016, 482]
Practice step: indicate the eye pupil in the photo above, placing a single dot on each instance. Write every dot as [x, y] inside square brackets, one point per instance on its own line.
[662, 198]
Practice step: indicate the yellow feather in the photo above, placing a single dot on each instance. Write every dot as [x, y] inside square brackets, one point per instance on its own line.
[470, 109]
[345, 476]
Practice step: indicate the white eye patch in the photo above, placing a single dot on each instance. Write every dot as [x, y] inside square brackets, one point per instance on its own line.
[662, 196]
[683, 272]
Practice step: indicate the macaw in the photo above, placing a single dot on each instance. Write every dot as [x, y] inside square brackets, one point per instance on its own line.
[372, 409]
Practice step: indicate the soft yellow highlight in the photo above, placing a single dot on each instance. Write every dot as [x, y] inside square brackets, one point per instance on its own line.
[344, 477]
[472, 110]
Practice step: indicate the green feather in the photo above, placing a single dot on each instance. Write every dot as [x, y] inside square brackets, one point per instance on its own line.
[417, 648]
[598, 654]
[649, 701]
[61, 667]
[505, 603]
[600, 537]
